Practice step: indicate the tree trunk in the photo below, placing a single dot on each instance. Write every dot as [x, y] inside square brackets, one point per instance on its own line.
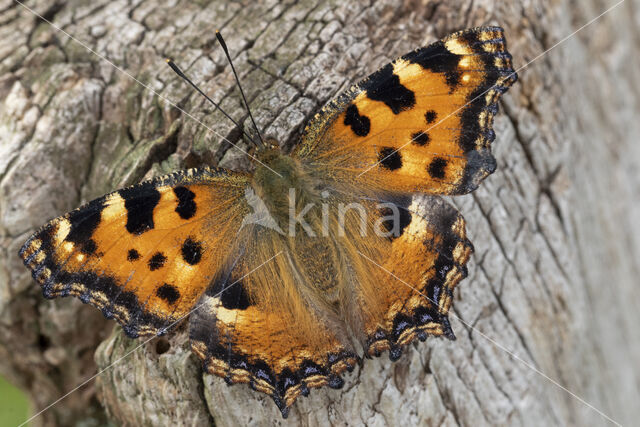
[554, 276]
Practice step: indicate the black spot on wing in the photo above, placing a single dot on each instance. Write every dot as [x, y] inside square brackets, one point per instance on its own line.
[157, 261]
[89, 247]
[168, 292]
[471, 39]
[235, 297]
[232, 295]
[420, 138]
[403, 218]
[389, 158]
[360, 125]
[133, 255]
[453, 79]
[479, 164]
[437, 168]
[191, 251]
[435, 58]
[140, 202]
[84, 221]
[430, 116]
[385, 86]
[186, 204]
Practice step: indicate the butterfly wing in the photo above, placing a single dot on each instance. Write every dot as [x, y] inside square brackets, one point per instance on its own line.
[145, 254]
[421, 123]
[419, 269]
[244, 334]
[390, 290]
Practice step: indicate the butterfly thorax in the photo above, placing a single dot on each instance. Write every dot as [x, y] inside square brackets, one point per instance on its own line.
[281, 180]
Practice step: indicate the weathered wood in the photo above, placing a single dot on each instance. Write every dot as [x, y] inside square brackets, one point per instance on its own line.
[555, 271]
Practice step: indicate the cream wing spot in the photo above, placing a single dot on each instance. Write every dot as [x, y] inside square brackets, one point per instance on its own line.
[78, 287]
[210, 303]
[457, 47]
[489, 97]
[483, 119]
[417, 224]
[44, 274]
[488, 35]
[225, 315]
[183, 269]
[407, 72]
[63, 227]
[113, 207]
[32, 248]
[40, 257]
[465, 62]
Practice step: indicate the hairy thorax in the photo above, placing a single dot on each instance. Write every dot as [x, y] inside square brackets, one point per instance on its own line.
[280, 180]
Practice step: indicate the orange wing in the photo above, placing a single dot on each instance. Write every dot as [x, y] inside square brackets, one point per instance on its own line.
[245, 336]
[145, 254]
[257, 325]
[418, 273]
[421, 123]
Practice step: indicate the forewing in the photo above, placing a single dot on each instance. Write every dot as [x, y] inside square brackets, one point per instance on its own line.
[145, 254]
[421, 123]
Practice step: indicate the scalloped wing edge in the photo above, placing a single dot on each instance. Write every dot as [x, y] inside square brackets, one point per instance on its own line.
[90, 288]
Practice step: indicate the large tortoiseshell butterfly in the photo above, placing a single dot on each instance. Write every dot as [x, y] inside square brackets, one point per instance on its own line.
[286, 306]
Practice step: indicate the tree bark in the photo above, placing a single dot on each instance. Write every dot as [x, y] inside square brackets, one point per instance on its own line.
[553, 279]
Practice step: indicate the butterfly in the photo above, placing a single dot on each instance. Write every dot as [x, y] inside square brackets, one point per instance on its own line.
[284, 305]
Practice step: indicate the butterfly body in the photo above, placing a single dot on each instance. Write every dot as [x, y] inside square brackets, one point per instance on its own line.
[275, 176]
[293, 273]
[318, 241]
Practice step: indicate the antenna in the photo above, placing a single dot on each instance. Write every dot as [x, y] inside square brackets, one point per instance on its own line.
[179, 72]
[226, 52]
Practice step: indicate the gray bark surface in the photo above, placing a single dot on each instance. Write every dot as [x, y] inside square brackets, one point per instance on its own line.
[554, 276]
